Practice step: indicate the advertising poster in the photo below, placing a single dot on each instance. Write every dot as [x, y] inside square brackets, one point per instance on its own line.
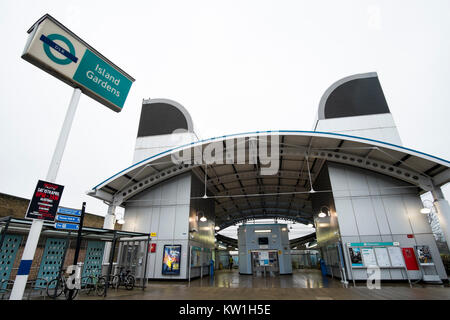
[45, 201]
[424, 255]
[395, 253]
[355, 257]
[368, 257]
[264, 258]
[171, 259]
[382, 257]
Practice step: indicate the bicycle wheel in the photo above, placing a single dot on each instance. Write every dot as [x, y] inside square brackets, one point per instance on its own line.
[100, 286]
[129, 282]
[67, 292]
[55, 288]
[87, 284]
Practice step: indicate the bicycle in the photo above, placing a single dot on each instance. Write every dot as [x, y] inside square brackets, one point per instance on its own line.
[123, 278]
[59, 285]
[93, 282]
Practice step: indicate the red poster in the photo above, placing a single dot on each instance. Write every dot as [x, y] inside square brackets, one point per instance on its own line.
[410, 259]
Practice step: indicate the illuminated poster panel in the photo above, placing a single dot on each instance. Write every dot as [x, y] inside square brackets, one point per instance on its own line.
[171, 259]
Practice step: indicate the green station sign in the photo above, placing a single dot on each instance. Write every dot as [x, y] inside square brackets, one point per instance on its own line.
[58, 51]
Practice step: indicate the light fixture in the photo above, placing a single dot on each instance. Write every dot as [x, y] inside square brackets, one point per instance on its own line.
[427, 209]
[217, 228]
[121, 221]
[310, 225]
[322, 213]
[203, 218]
[263, 231]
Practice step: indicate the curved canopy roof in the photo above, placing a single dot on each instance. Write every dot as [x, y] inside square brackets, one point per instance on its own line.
[240, 191]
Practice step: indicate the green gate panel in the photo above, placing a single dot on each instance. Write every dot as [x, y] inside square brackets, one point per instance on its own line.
[52, 258]
[8, 253]
[93, 259]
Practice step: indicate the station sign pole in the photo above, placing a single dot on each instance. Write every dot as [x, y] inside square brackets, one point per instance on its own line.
[36, 227]
[77, 249]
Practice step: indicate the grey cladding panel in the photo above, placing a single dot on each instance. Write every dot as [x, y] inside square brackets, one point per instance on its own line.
[160, 118]
[356, 98]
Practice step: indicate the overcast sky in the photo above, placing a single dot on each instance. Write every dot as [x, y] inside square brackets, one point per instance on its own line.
[237, 66]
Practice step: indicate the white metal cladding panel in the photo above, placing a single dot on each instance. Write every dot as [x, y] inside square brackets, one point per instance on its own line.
[428, 240]
[181, 230]
[357, 183]
[419, 222]
[396, 215]
[380, 214]
[154, 222]
[365, 216]
[372, 183]
[167, 222]
[338, 180]
[346, 218]
[130, 218]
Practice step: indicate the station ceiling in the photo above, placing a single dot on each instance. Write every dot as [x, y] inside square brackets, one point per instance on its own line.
[241, 192]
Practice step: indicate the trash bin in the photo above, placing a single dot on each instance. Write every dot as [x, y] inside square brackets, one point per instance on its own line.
[323, 267]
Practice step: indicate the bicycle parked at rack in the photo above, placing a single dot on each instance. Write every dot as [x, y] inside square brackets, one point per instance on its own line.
[93, 282]
[58, 286]
[124, 278]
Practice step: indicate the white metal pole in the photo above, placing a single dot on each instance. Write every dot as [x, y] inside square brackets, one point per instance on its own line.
[36, 227]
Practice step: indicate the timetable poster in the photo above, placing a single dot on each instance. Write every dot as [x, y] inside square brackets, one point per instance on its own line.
[369, 257]
[382, 257]
[395, 253]
[355, 257]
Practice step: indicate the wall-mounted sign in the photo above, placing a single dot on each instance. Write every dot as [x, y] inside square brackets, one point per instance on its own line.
[69, 219]
[55, 49]
[67, 226]
[45, 200]
[69, 211]
[153, 234]
[368, 256]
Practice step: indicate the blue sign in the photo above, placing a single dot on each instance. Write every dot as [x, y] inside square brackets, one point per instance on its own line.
[66, 226]
[67, 219]
[72, 212]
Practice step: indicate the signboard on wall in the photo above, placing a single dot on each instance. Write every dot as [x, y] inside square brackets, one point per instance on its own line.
[396, 256]
[382, 257]
[55, 49]
[368, 257]
[171, 259]
[45, 201]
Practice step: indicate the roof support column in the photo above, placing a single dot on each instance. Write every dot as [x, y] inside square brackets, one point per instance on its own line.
[108, 223]
[443, 212]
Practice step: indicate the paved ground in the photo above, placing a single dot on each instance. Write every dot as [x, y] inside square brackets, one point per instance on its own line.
[302, 285]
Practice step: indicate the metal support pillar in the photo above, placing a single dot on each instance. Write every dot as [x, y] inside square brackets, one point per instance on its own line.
[111, 260]
[36, 227]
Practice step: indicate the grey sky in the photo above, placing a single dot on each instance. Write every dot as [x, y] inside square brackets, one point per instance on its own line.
[237, 66]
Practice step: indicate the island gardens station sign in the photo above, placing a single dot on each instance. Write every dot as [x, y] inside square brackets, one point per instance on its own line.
[58, 51]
